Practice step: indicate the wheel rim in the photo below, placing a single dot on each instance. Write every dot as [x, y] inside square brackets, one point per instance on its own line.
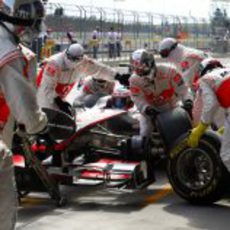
[194, 169]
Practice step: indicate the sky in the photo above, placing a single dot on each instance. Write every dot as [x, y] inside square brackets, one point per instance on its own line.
[196, 8]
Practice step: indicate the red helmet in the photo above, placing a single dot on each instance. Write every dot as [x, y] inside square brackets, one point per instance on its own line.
[121, 98]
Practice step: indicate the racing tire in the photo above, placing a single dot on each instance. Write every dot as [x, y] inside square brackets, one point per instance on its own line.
[172, 124]
[138, 148]
[198, 174]
[61, 202]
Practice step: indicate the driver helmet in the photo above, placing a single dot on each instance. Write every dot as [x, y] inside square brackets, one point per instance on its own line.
[121, 98]
[142, 62]
[166, 46]
[26, 16]
[73, 54]
[208, 64]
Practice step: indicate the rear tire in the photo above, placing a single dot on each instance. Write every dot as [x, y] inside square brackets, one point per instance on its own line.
[198, 174]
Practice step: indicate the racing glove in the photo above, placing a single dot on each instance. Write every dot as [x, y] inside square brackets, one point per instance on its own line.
[42, 136]
[197, 132]
[63, 105]
[188, 105]
[123, 78]
[221, 130]
[151, 111]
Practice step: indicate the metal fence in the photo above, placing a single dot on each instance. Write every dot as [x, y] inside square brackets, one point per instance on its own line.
[139, 29]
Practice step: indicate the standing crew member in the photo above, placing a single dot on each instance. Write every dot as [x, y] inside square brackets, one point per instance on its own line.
[187, 59]
[155, 88]
[214, 85]
[18, 19]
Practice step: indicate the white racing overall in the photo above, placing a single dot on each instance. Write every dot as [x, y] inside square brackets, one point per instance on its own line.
[18, 97]
[216, 94]
[188, 60]
[164, 91]
[56, 79]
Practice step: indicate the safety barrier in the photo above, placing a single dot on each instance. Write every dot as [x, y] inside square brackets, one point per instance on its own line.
[139, 29]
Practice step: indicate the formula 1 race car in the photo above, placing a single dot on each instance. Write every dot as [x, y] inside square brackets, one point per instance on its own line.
[86, 152]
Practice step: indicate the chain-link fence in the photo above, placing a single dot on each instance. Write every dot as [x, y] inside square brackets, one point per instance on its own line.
[139, 29]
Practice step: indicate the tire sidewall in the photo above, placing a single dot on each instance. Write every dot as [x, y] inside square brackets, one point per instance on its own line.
[212, 191]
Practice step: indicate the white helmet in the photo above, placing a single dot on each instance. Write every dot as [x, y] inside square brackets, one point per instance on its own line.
[208, 64]
[142, 62]
[73, 54]
[166, 46]
[27, 14]
[99, 83]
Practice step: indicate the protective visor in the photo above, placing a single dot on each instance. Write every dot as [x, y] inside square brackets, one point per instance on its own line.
[165, 52]
[100, 82]
[28, 14]
[119, 103]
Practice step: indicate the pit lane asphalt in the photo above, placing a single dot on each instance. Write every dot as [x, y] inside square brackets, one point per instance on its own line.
[156, 207]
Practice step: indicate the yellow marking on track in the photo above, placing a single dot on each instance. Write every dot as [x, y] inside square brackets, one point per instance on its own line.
[163, 192]
[32, 201]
